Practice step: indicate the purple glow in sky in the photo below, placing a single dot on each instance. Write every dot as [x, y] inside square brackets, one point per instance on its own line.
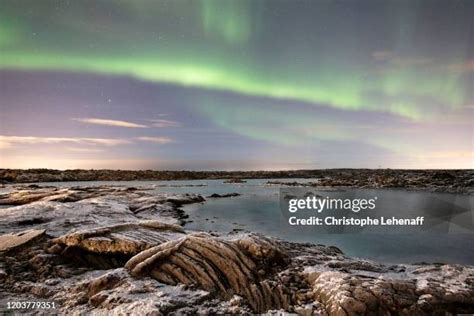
[234, 85]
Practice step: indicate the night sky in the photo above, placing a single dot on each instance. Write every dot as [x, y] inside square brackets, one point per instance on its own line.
[227, 84]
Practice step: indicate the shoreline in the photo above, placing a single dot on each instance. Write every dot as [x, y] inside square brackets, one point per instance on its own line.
[90, 249]
[460, 183]
[450, 181]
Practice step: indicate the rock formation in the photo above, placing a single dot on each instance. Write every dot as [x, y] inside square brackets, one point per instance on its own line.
[225, 195]
[14, 240]
[235, 180]
[222, 267]
[121, 250]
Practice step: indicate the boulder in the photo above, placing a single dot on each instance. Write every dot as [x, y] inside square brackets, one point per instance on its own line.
[14, 240]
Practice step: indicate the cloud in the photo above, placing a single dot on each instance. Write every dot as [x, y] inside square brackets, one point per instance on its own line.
[461, 67]
[409, 61]
[9, 141]
[165, 123]
[85, 150]
[160, 123]
[106, 122]
[156, 140]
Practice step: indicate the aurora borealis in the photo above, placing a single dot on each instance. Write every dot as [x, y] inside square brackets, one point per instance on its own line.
[222, 84]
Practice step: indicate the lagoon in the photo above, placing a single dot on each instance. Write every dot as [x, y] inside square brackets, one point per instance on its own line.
[257, 209]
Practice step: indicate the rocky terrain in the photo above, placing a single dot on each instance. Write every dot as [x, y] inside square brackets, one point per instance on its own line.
[455, 181]
[449, 181]
[123, 250]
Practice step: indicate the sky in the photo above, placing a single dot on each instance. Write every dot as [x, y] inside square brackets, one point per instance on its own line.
[236, 85]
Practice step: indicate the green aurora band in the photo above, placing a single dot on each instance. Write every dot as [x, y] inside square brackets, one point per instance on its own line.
[233, 46]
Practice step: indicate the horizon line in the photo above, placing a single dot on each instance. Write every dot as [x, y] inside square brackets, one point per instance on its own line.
[217, 170]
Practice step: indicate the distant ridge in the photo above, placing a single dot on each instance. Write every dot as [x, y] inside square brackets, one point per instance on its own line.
[456, 181]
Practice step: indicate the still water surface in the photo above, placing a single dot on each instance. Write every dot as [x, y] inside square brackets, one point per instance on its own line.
[258, 210]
